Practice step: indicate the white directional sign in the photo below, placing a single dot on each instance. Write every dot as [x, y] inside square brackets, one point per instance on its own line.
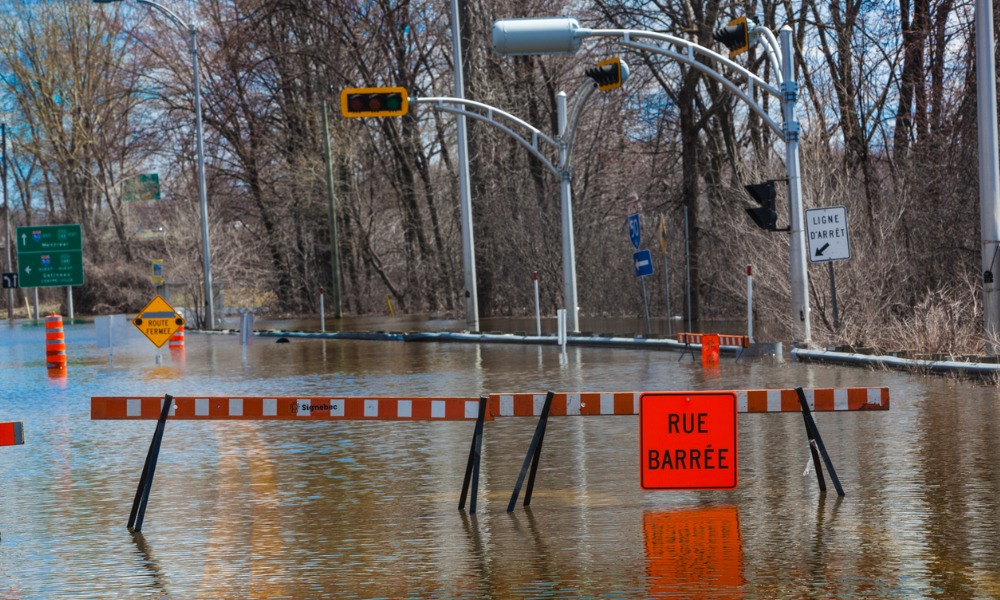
[827, 231]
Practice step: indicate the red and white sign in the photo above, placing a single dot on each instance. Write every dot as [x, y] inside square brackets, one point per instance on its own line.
[687, 440]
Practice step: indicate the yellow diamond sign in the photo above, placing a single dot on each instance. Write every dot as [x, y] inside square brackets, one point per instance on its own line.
[158, 321]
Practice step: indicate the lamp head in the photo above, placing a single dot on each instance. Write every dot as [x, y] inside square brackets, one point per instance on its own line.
[550, 35]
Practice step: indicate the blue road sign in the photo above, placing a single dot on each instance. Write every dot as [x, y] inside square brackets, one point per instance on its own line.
[634, 233]
[643, 263]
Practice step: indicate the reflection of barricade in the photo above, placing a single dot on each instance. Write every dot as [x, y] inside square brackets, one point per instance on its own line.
[543, 406]
[694, 549]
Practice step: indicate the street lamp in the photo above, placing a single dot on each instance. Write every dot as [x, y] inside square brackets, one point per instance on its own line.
[6, 215]
[563, 35]
[202, 197]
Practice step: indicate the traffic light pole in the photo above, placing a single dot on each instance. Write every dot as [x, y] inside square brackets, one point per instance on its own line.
[470, 296]
[563, 144]
[561, 35]
[567, 120]
[566, 211]
[801, 328]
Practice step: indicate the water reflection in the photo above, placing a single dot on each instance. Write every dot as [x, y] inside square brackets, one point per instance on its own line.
[694, 548]
[369, 509]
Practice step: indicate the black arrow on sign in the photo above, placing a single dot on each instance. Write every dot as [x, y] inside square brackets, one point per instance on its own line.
[819, 251]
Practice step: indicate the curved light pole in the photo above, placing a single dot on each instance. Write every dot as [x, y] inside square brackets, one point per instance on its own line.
[189, 28]
[568, 114]
[563, 35]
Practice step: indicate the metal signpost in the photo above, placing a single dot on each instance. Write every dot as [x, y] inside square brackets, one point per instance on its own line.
[642, 261]
[828, 241]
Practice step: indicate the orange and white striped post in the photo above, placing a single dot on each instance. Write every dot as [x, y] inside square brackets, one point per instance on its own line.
[710, 350]
[55, 343]
[177, 340]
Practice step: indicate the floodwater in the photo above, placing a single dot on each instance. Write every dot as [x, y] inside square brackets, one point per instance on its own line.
[256, 509]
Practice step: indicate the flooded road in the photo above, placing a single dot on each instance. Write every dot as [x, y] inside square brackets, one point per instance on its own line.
[257, 509]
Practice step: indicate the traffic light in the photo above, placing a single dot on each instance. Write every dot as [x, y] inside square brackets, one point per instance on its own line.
[608, 74]
[765, 216]
[374, 102]
[735, 36]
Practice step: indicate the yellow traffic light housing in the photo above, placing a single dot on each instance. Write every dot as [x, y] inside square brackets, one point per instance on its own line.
[374, 102]
[608, 74]
[735, 36]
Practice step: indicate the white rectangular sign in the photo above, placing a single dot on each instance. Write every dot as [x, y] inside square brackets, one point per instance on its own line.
[827, 232]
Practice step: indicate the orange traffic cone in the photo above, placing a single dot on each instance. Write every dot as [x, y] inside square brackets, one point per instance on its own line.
[55, 343]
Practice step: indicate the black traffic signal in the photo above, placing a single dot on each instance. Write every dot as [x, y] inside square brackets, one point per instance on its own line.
[735, 36]
[374, 102]
[608, 74]
[765, 216]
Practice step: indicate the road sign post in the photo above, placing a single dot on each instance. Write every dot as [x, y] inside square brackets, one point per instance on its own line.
[687, 440]
[642, 261]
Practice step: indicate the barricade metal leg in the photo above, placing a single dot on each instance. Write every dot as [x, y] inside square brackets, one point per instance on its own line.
[687, 349]
[816, 443]
[146, 480]
[531, 459]
[475, 454]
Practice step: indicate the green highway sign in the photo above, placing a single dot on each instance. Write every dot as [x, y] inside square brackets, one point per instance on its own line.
[142, 187]
[49, 255]
[42, 238]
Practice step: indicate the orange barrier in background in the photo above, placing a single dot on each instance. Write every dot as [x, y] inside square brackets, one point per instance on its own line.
[740, 341]
[55, 342]
[296, 408]
[710, 350]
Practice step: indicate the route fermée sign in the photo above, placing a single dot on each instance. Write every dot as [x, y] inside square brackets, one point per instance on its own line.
[158, 321]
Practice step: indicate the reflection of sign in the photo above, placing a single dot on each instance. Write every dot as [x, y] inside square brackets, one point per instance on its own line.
[158, 321]
[827, 231]
[694, 553]
[157, 271]
[687, 440]
[643, 263]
